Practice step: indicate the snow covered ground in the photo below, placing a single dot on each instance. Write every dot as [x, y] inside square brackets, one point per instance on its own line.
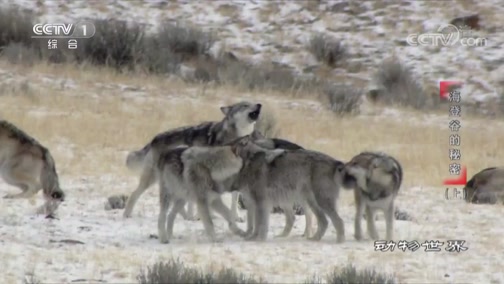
[114, 250]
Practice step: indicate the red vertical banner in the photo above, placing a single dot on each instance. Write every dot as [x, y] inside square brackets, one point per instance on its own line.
[450, 91]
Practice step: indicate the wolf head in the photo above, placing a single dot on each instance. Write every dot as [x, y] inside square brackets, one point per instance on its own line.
[246, 149]
[242, 116]
[486, 187]
[369, 167]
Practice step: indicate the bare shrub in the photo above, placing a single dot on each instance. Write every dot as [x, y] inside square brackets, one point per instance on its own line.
[18, 53]
[115, 44]
[399, 85]
[259, 77]
[350, 275]
[343, 99]
[327, 49]
[175, 272]
[157, 56]
[184, 40]
[15, 26]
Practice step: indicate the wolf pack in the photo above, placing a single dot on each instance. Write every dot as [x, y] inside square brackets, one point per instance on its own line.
[196, 165]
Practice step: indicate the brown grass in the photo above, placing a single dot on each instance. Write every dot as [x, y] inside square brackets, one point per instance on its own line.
[99, 131]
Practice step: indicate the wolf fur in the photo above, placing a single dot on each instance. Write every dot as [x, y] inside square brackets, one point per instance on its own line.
[375, 178]
[238, 121]
[486, 187]
[26, 164]
[283, 177]
[199, 174]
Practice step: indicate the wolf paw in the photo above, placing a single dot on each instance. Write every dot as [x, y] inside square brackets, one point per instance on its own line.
[315, 238]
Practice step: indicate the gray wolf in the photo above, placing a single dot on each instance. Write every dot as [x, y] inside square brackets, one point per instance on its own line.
[272, 143]
[29, 166]
[486, 187]
[375, 178]
[239, 120]
[199, 174]
[284, 177]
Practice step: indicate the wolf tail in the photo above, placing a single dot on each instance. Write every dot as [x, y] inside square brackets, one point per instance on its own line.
[135, 159]
[49, 179]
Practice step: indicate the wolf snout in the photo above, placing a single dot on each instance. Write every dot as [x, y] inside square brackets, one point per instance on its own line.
[255, 114]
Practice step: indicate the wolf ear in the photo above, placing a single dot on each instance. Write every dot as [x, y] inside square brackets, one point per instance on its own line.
[225, 110]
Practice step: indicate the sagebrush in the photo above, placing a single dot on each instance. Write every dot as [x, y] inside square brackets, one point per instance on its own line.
[175, 272]
[350, 275]
[343, 99]
[399, 85]
[327, 49]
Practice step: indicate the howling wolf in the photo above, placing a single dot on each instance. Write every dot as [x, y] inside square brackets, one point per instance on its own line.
[375, 178]
[26, 164]
[239, 120]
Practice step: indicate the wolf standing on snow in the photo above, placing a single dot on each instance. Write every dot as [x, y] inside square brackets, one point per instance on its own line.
[200, 174]
[239, 121]
[28, 165]
[283, 177]
[375, 178]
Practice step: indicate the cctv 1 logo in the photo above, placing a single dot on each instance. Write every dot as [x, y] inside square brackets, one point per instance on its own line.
[59, 30]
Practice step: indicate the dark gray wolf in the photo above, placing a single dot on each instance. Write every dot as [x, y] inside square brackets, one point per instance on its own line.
[239, 121]
[486, 187]
[26, 164]
[375, 178]
[284, 177]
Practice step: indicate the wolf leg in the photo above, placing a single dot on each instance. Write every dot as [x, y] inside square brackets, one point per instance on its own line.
[178, 206]
[261, 216]
[359, 211]
[22, 180]
[250, 207]
[221, 209]
[290, 218]
[371, 226]
[190, 214]
[164, 205]
[329, 207]
[204, 212]
[322, 222]
[309, 222]
[389, 219]
[146, 180]
[27, 192]
[234, 206]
